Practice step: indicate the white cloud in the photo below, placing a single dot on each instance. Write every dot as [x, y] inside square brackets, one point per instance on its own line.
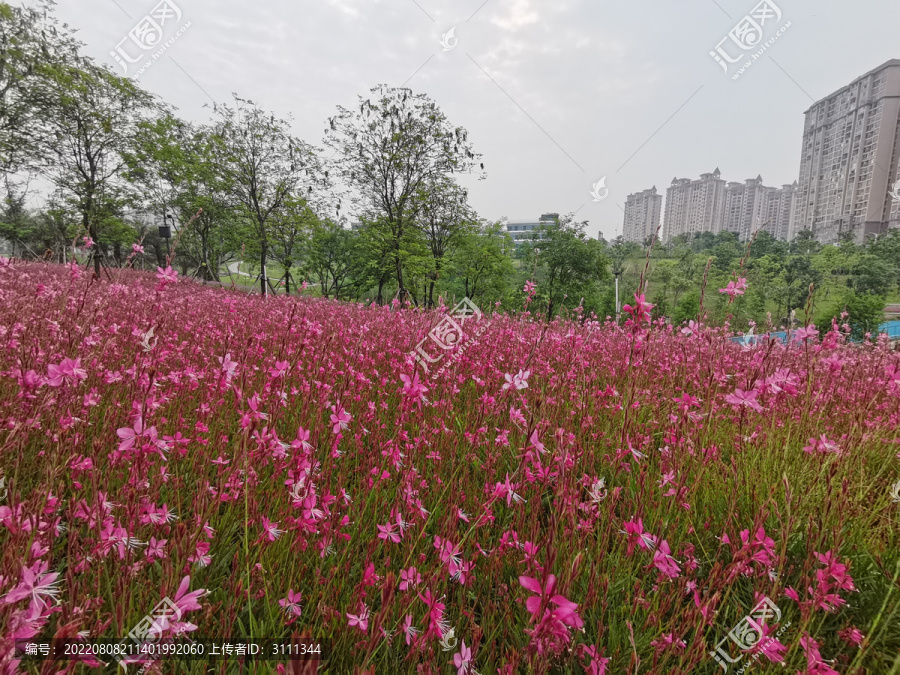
[514, 14]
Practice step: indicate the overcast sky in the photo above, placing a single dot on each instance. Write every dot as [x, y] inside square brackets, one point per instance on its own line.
[556, 94]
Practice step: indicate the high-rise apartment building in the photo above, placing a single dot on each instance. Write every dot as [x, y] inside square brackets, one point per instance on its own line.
[849, 160]
[694, 205]
[779, 204]
[642, 213]
[745, 207]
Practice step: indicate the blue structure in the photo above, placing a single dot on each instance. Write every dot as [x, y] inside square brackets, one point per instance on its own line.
[892, 328]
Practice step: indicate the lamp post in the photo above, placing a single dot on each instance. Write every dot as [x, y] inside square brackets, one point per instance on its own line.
[616, 274]
[165, 232]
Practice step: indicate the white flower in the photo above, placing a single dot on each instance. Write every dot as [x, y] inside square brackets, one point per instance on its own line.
[895, 491]
[145, 340]
[446, 643]
[519, 380]
[598, 491]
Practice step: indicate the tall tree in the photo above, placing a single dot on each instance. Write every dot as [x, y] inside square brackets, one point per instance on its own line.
[94, 116]
[570, 263]
[264, 167]
[372, 258]
[481, 261]
[392, 149]
[330, 256]
[33, 47]
[174, 165]
[291, 228]
[445, 218]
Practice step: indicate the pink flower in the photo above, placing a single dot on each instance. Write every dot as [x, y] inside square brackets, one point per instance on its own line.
[664, 562]
[744, 398]
[435, 614]
[637, 536]
[409, 631]
[508, 490]
[280, 370]
[36, 584]
[291, 604]
[534, 442]
[851, 635]
[462, 660]
[360, 620]
[130, 435]
[822, 446]
[566, 609]
[597, 665]
[815, 664]
[517, 418]
[137, 248]
[640, 312]
[686, 402]
[229, 367]
[388, 532]
[68, 371]
[166, 276]
[412, 388]
[187, 601]
[370, 578]
[734, 288]
[782, 380]
[409, 578]
[74, 271]
[339, 419]
[155, 549]
[802, 334]
[666, 641]
[270, 529]
[690, 329]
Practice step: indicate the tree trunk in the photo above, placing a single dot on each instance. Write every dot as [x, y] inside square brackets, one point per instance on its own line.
[401, 291]
[263, 281]
[204, 262]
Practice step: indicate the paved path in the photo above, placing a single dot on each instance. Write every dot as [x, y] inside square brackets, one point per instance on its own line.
[234, 268]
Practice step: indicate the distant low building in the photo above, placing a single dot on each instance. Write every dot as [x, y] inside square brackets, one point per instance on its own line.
[529, 229]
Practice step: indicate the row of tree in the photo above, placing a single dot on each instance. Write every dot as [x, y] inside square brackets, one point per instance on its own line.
[784, 278]
[113, 152]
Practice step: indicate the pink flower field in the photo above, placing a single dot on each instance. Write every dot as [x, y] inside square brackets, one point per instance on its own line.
[572, 496]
